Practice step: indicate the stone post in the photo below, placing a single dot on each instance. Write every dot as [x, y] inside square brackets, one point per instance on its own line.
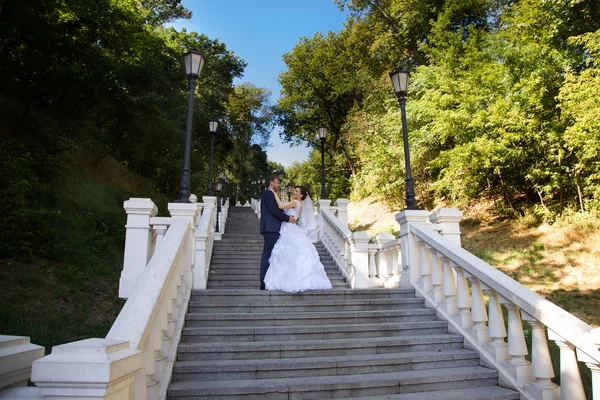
[342, 214]
[448, 219]
[93, 369]
[359, 254]
[16, 356]
[324, 204]
[408, 247]
[138, 242]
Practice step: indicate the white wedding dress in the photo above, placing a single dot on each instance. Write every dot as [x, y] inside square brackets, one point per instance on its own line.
[294, 265]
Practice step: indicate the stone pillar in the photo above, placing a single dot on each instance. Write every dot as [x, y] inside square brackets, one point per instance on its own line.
[448, 219]
[359, 254]
[93, 369]
[342, 214]
[409, 249]
[324, 204]
[138, 242]
[16, 356]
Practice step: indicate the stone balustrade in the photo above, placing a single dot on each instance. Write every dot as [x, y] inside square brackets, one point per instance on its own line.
[457, 283]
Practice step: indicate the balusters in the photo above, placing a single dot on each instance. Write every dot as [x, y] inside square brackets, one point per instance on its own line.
[422, 256]
[372, 264]
[571, 387]
[437, 279]
[347, 257]
[496, 329]
[541, 364]
[149, 368]
[517, 348]
[395, 260]
[385, 270]
[463, 298]
[436, 276]
[426, 268]
[157, 338]
[595, 368]
[478, 312]
[449, 288]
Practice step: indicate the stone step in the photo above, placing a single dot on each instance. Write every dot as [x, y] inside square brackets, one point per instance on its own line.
[336, 280]
[309, 318]
[353, 294]
[317, 348]
[225, 251]
[241, 258]
[304, 306]
[321, 366]
[328, 387]
[253, 268]
[240, 242]
[280, 333]
[476, 393]
[255, 265]
[234, 279]
[252, 284]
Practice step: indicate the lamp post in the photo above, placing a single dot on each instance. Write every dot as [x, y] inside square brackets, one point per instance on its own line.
[400, 81]
[194, 61]
[219, 186]
[288, 188]
[212, 125]
[322, 137]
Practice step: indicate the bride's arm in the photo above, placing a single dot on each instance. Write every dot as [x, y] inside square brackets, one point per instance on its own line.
[282, 205]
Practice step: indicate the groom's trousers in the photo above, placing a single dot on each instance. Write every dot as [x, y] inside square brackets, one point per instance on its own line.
[270, 240]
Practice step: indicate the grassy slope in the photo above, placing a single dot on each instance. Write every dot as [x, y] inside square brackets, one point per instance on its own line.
[73, 294]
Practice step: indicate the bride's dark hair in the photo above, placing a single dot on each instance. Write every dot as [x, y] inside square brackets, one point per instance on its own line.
[303, 192]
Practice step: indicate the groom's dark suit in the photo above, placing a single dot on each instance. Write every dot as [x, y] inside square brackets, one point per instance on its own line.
[271, 218]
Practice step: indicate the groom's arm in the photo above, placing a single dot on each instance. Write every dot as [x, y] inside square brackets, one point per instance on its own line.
[269, 199]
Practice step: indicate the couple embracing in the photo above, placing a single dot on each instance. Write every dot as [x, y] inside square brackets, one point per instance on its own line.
[290, 261]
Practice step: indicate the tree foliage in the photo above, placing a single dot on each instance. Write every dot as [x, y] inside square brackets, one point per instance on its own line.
[502, 100]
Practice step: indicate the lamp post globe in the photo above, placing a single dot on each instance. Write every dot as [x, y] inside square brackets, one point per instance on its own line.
[193, 61]
[322, 136]
[400, 79]
[288, 188]
[212, 126]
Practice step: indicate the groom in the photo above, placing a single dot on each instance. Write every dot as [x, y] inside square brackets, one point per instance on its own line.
[271, 218]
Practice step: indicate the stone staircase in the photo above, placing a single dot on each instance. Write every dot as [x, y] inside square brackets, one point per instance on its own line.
[243, 343]
[236, 259]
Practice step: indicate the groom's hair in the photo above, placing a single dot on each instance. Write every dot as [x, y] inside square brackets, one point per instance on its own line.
[272, 178]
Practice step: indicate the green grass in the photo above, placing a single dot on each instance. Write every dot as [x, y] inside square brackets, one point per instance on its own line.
[65, 287]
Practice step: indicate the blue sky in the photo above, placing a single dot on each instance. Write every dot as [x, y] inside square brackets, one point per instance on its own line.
[260, 32]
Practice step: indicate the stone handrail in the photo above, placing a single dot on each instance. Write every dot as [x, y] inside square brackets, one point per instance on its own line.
[441, 272]
[135, 359]
[204, 238]
[153, 316]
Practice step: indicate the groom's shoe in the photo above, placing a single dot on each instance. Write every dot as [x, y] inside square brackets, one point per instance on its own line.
[262, 286]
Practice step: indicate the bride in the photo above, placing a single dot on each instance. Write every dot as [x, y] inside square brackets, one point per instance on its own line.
[294, 265]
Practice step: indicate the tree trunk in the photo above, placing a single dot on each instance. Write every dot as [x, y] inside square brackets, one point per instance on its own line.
[542, 200]
[579, 193]
[506, 196]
